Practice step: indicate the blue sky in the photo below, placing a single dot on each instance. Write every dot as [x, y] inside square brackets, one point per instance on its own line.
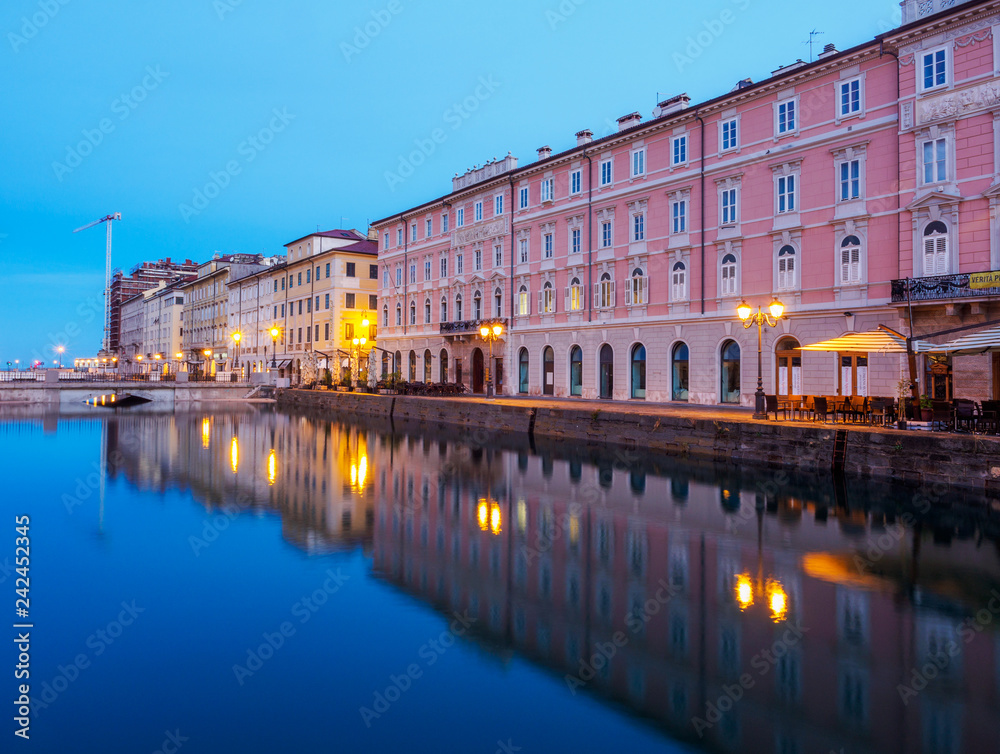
[240, 125]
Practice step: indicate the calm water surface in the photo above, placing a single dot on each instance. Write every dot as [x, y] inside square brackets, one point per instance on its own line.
[255, 581]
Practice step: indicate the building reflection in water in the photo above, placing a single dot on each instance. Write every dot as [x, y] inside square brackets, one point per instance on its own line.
[701, 574]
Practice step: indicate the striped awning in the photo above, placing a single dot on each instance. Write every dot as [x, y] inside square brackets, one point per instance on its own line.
[882, 340]
[968, 345]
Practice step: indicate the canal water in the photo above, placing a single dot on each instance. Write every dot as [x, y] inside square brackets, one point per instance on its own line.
[255, 581]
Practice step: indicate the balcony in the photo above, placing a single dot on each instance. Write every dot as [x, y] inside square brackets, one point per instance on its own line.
[468, 326]
[939, 288]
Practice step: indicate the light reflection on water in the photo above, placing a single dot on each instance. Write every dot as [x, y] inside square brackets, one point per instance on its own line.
[741, 610]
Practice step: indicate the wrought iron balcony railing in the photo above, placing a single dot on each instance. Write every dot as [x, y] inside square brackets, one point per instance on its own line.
[937, 287]
[467, 326]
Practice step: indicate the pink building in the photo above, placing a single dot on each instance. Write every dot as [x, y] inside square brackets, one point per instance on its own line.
[617, 264]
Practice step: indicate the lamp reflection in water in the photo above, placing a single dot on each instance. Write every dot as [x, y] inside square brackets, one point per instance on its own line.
[272, 468]
[748, 589]
[488, 515]
[206, 432]
[359, 463]
[234, 454]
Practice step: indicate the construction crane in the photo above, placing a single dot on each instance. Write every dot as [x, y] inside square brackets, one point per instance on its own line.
[107, 276]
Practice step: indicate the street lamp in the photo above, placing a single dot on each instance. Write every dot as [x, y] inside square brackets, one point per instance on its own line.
[760, 318]
[275, 332]
[61, 350]
[237, 336]
[358, 343]
[490, 333]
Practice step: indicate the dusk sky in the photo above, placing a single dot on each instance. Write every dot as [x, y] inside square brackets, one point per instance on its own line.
[302, 115]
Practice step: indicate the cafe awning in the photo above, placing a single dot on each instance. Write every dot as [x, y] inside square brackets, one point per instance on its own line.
[882, 340]
[968, 345]
[282, 363]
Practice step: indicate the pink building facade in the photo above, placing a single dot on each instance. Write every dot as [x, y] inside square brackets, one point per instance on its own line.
[858, 190]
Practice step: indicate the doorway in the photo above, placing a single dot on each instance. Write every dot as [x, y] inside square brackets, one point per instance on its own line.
[607, 361]
[478, 371]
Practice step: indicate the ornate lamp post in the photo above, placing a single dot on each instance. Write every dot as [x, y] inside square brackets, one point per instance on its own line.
[274, 332]
[237, 336]
[358, 344]
[61, 350]
[760, 318]
[490, 333]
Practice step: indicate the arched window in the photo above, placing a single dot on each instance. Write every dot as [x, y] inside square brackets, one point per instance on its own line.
[730, 384]
[413, 312]
[548, 371]
[522, 371]
[444, 366]
[936, 248]
[576, 371]
[635, 293]
[444, 309]
[678, 282]
[522, 301]
[413, 367]
[680, 363]
[574, 297]
[638, 371]
[428, 377]
[399, 315]
[477, 306]
[605, 293]
[397, 362]
[729, 286]
[850, 260]
[548, 302]
[786, 268]
[458, 308]
[607, 365]
[385, 316]
[498, 303]
[427, 312]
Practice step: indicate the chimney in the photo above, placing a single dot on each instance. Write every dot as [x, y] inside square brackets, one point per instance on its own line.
[627, 121]
[544, 153]
[828, 50]
[672, 105]
[372, 234]
[742, 84]
[584, 137]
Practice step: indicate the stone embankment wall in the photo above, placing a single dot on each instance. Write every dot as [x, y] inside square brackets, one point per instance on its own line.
[965, 460]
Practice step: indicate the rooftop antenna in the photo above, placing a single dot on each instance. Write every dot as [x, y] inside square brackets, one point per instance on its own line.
[812, 34]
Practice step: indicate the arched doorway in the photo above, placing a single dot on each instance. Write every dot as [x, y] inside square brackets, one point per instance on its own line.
[680, 374]
[729, 388]
[412, 375]
[385, 365]
[428, 376]
[478, 371]
[638, 371]
[788, 367]
[444, 366]
[607, 363]
[397, 363]
[522, 371]
[576, 371]
[548, 371]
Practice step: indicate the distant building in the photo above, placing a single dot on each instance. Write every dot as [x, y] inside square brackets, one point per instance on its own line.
[142, 277]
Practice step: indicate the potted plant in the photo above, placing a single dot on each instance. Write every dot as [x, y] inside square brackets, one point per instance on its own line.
[345, 381]
[902, 388]
[327, 379]
[926, 414]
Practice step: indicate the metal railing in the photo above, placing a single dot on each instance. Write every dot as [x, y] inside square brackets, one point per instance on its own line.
[467, 326]
[937, 287]
[22, 376]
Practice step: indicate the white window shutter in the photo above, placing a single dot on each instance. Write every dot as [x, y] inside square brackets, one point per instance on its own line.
[611, 297]
[597, 294]
[929, 256]
[628, 293]
[941, 253]
[568, 298]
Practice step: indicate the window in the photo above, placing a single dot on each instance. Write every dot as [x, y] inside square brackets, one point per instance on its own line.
[427, 312]
[413, 313]
[498, 256]
[349, 301]
[575, 240]
[850, 180]
[498, 205]
[935, 157]
[786, 267]
[606, 234]
[413, 232]
[678, 217]
[300, 306]
[638, 163]
[350, 269]
[385, 278]
[576, 371]
[729, 207]
[850, 97]
[477, 260]
[606, 176]
[460, 221]
[326, 331]
[308, 276]
[522, 371]
[300, 279]
[678, 150]
[327, 302]
[522, 246]
[547, 245]
[399, 315]
[638, 227]
[635, 293]
[444, 223]
[548, 189]
[478, 206]
[935, 69]
[605, 292]
[680, 372]
[786, 116]
[413, 273]
[498, 303]
[575, 182]
[458, 308]
[444, 309]
[638, 371]
[459, 264]
[729, 286]
[548, 299]
[283, 282]
[372, 302]
[936, 248]
[428, 228]
[730, 135]
[786, 193]
[574, 295]
[678, 282]
[399, 237]
[444, 267]
[399, 276]
[427, 269]
[523, 201]
[385, 240]
[477, 305]
[850, 260]
[385, 316]
[522, 301]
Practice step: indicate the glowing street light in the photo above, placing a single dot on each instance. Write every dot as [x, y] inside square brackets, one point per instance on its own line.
[760, 318]
[490, 333]
[275, 332]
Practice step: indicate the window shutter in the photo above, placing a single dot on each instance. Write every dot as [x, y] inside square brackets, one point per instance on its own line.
[611, 293]
[568, 298]
[928, 256]
[845, 265]
[628, 292]
[597, 295]
[941, 255]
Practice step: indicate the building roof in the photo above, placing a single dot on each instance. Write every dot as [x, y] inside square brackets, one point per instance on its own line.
[350, 235]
